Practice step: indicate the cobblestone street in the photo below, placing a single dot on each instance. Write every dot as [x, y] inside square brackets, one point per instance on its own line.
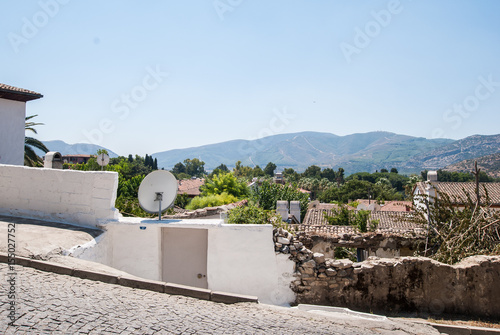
[48, 303]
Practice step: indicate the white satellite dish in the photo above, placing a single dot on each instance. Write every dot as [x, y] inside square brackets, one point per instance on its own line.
[102, 160]
[157, 192]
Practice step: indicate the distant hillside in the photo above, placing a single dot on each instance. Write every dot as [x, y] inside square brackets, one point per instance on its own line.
[465, 149]
[357, 152]
[489, 164]
[73, 149]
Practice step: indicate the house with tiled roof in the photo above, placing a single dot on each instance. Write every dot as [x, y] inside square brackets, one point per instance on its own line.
[386, 206]
[388, 221]
[12, 120]
[394, 236]
[191, 187]
[457, 191]
[76, 159]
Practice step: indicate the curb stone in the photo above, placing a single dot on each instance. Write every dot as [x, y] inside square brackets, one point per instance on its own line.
[143, 284]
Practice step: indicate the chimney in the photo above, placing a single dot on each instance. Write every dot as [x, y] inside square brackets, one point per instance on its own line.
[282, 209]
[295, 210]
[432, 176]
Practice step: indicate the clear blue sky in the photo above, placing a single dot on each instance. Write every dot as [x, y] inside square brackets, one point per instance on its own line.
[250, 68]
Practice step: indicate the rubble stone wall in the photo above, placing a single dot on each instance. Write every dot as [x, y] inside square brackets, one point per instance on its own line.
[406, 284]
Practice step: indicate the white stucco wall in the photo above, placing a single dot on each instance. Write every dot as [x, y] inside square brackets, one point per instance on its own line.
[78, 197]
[136, 251]
[240, 258]
[12, 119]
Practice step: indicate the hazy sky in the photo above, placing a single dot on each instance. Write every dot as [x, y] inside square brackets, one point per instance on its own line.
[143, 77]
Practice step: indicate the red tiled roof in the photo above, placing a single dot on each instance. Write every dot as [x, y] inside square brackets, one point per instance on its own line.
[396, 206]
[17, 94]
[457, 191]
[190, 186]
[388, 221]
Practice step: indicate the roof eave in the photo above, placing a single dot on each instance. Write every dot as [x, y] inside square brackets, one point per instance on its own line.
[19, 96]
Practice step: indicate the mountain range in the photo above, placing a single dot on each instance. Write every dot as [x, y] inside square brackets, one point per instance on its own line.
[490, 164]
[354, 153]
[73, 149]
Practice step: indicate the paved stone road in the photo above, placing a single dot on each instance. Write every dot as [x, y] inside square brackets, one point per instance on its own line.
[48, 303]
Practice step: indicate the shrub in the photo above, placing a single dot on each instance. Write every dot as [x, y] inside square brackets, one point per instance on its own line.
[253, 215]
[211, 201]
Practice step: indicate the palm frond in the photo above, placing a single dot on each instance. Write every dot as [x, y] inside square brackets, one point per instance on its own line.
[30, 143]
[30, 157]
[29, 125]
[33, 142]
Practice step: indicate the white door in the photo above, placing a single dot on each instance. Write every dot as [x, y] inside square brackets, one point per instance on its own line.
[184, 254]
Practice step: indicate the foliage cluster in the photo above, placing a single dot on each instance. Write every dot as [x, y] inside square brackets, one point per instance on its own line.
[253, 215]
[268, 194]
[454, 232]
[360, 189]
[359, 219]
[224, 182]
[212, 200]
[190, 168]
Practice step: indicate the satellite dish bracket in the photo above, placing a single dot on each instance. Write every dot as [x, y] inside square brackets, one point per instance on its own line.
[159, 198]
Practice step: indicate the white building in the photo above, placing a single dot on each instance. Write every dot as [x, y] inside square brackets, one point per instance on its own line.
[12, 119]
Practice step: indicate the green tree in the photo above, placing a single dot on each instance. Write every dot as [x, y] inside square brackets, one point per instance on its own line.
[179, 168]
[30, 156]
[329, 174]
[224, 183]
[219, 169]
[242, 171]
[258, 172]
[290, 175]
[268, 194]
[195, 167]
[269, 169]
[359, 219]
[312, 171]
[182, 200]
[394, 170]
[252, 215]
[340, 176]
[212, 200]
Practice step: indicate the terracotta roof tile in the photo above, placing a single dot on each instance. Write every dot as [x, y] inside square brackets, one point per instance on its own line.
[388, 221]
[457, 191]
[190, 186]
[396, 206]
[18, 94]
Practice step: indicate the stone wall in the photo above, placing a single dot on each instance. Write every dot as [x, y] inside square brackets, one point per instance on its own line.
[406, 284]
[375, 244]
[77, 197]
